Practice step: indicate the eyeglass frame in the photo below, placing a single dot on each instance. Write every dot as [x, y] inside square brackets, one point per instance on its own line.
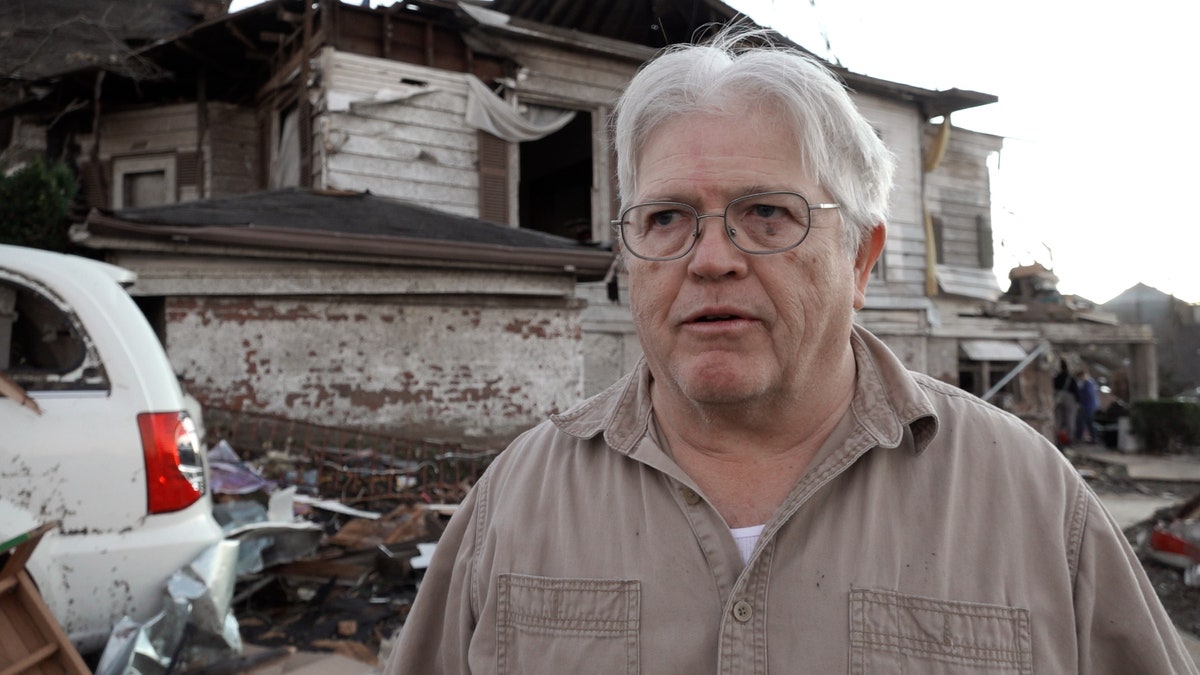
[723, 215]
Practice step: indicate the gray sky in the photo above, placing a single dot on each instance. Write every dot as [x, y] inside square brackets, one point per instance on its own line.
[1097, 103]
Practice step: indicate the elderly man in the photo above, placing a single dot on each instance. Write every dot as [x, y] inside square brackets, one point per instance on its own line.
[770, 490]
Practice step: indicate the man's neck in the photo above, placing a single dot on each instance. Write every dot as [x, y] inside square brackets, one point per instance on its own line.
[746, 459]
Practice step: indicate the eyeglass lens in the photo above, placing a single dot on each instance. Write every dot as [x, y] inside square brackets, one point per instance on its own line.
[758, 223]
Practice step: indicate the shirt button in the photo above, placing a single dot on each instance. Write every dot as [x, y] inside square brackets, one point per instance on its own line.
[690, 497]
[742, 611]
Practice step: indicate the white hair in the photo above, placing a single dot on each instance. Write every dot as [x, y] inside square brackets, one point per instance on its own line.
[738, 68]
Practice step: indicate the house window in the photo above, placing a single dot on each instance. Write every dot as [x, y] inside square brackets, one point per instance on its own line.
[143, 181]
[556, 181]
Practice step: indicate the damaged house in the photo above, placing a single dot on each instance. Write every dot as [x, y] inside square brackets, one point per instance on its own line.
[397, 218]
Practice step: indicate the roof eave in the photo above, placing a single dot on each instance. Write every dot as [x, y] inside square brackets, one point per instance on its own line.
[585, 264]
[931, 103]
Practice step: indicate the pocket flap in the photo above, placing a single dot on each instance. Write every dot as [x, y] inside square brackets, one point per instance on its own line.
[962, 633]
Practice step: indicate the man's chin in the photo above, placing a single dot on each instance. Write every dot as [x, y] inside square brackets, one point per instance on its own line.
[721, 383]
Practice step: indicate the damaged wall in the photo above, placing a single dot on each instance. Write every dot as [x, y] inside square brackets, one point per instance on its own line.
[199, 151]
[460, 371]
[398, 130]
[471, 355]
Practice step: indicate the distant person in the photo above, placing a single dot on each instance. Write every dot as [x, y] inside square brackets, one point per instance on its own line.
[1066, 405]
[1089, 403]
[770, 490]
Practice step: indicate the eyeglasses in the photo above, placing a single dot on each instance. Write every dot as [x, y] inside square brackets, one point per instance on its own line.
[761, 223]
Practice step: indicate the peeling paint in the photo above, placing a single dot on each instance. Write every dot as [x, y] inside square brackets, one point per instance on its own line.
[453, 373]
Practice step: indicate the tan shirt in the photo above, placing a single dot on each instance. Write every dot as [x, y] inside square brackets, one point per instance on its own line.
[933, 533]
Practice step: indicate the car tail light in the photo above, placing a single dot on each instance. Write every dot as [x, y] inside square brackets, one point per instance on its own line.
[174, 473]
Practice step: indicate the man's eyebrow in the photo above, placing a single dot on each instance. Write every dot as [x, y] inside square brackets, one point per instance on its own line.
[733, 194]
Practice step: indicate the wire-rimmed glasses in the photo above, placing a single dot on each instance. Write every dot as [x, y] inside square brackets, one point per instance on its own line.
[760, 223]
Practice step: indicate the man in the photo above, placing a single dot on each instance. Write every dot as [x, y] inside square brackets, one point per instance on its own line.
[1089, 403]
[770, 490]
[1066, 405]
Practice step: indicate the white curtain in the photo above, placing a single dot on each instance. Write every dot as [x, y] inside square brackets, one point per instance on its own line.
[492, 114]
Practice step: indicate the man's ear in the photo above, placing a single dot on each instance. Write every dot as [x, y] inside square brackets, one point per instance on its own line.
[868, 253]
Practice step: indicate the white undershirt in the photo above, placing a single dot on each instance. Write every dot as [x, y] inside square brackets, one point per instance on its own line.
[746, 538]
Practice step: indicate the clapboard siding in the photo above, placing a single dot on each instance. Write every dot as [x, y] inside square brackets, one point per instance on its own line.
[408, 149]
[959, 196]
[374, 129]
[162, 129]
[401, 169]
[552, 73]
[899, 126]
[418, 149]
[365, 75]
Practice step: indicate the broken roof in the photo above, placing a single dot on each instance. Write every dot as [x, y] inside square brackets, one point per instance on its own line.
[241, 44]
[653, 24]
[41, 39]
[354, 223]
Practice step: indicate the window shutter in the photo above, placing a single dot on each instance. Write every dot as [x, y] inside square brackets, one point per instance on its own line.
[987, 253]
[96, 177]
[939, 239]
[187, 171]
[493, 178]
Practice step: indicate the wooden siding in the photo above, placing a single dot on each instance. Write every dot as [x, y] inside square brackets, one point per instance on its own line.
[899, 126]
[570, 79]
[959, 193]
[170, 128]
[418, 149]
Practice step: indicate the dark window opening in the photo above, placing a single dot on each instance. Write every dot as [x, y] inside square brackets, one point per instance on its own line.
[939, 240]
[44, 348]
[556, 181]
[978, 377]
[154, 308]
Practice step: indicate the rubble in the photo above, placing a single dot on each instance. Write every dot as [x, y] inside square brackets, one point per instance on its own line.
[376, 515]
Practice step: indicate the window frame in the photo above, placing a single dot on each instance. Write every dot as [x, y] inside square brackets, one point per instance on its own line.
[123, 166]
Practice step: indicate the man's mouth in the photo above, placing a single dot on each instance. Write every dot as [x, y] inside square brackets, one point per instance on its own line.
[715, 317]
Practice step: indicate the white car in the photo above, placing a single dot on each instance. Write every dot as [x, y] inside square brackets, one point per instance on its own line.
[94, 435]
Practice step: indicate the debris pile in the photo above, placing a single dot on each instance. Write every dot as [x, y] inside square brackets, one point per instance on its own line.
[1172, 538]
[334, 528]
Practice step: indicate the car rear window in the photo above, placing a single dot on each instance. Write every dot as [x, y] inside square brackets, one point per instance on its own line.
[42, 345]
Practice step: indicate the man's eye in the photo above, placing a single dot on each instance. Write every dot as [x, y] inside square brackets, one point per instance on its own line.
[765, 211]
[664, 218]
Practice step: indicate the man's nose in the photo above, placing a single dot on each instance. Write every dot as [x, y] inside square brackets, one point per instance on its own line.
[714, 254]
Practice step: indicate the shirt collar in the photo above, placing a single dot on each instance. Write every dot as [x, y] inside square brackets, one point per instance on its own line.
[888, 401]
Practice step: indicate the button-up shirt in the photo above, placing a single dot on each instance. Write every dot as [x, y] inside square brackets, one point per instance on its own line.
[931, 533]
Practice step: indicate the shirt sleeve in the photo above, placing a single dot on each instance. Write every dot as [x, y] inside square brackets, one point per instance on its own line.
[1121, 623]
[437, 633]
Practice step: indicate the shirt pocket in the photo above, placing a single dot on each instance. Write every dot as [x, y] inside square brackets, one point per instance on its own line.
[895, 633]
[553, 625]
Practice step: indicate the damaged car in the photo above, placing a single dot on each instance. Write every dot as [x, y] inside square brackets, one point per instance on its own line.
[97, 438]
